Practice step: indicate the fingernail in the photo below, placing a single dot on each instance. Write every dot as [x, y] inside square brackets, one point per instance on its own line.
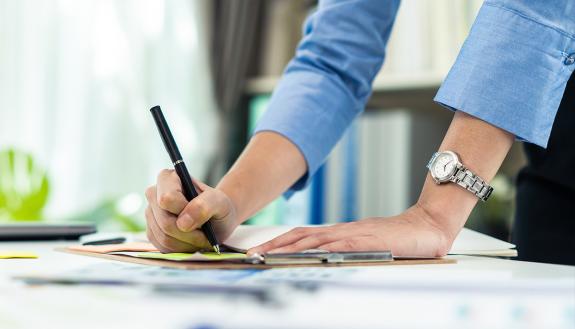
[185, 223]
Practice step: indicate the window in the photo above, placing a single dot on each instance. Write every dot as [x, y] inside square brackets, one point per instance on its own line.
[77, 78]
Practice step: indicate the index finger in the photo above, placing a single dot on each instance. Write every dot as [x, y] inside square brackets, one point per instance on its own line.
[169, 192]
[287, 238]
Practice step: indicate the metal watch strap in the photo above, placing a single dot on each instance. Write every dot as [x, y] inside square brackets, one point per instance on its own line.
[471, 182]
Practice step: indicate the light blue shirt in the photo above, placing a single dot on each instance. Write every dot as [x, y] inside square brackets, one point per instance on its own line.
[511, 71]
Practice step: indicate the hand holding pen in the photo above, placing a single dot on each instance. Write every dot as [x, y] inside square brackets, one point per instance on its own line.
[177, 214]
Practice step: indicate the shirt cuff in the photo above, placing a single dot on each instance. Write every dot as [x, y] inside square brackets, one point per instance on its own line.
[511, 72]
[311, 121]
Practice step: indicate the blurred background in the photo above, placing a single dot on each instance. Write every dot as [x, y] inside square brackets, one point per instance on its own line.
[77, 78]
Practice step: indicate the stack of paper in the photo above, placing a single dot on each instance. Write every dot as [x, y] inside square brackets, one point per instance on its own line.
[470, 242]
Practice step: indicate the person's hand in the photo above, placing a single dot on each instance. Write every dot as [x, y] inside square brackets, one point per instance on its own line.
[173, 223]
[412, 233]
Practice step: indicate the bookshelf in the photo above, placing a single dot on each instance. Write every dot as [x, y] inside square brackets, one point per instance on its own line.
[424, 43]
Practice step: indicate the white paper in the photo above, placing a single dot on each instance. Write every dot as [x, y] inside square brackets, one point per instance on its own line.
[248, 236]
[470, 242]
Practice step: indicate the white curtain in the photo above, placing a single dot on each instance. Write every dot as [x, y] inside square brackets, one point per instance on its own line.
[77, 78]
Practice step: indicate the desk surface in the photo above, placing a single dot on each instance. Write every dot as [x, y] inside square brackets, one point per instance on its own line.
[475, 292]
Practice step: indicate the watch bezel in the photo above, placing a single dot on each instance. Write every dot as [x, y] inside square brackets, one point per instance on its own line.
[451, 174]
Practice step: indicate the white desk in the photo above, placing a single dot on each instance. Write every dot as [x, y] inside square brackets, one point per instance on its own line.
[474, 293]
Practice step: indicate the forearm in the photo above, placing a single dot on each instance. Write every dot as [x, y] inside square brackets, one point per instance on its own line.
[268, 166]
[482, 148]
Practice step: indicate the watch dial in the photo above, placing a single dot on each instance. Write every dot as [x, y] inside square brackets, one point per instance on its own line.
[444, 165]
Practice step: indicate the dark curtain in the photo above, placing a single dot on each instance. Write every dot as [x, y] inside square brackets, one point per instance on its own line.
[236, 29]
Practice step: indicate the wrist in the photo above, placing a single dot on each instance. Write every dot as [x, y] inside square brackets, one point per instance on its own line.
[445, 208]
[235, 190]
[436, 238]
[234, 220]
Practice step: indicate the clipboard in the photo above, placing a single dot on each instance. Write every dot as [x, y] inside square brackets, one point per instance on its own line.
[277, 261]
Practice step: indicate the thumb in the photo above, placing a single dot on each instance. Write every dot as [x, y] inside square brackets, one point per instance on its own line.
[201, 186]
[209, 204]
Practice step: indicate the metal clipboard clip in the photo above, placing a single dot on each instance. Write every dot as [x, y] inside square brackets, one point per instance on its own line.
[322, 257]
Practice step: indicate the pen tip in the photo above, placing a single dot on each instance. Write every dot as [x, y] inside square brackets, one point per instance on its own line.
[217, 249]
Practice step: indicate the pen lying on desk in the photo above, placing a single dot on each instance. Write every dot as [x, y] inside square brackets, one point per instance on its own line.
[180, 167]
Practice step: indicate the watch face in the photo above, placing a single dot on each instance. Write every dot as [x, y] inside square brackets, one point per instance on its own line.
[444, 165]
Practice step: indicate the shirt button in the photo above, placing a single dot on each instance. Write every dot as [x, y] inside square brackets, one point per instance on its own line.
[570, 59]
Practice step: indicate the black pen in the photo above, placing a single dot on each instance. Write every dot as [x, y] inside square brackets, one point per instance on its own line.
[180, 167]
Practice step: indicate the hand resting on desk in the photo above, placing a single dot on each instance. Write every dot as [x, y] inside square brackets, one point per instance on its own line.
[407, 234]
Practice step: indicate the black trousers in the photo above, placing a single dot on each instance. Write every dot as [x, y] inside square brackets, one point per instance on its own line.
[544, 228]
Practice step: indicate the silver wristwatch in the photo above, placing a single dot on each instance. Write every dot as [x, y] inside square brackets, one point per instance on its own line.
[445, 167]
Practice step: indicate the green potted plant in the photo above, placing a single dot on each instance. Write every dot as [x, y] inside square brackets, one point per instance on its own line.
[24, 187]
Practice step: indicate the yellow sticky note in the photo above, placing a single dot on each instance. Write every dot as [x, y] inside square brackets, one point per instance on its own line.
[16, 254]
[198, 256]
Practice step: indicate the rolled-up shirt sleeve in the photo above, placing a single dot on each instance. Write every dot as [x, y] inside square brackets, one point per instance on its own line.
[326, 85]
[513, 68]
